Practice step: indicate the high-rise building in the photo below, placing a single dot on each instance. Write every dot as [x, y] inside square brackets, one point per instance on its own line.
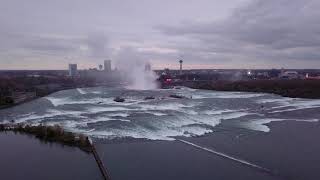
[180, 66]
[107, 65]
[73, 70]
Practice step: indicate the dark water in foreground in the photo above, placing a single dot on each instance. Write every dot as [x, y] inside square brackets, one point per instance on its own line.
[23, 157]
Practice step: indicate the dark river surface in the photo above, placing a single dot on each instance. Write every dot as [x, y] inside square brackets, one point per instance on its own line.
[25, 157]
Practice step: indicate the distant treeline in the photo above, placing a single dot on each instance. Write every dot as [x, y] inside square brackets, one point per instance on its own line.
[288, 88]
[29, 84]
[40, 85]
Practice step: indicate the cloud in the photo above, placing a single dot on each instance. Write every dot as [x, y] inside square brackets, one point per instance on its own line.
[224, 34]
[98, 45]
[274, 30]
[50, 45]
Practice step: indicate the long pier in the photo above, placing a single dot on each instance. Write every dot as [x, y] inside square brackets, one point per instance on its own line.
[100, 164]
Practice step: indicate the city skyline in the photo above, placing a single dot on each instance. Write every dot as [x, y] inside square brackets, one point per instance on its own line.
[233, 34]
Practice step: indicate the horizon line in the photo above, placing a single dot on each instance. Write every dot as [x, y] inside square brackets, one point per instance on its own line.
[169, 69]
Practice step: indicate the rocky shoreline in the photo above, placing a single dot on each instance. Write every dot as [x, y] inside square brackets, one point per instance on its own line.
[50, 134]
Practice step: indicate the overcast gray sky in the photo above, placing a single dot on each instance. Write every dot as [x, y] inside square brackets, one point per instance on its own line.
[47, 34]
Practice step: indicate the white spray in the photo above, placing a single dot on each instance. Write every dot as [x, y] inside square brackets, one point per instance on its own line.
[136, 71]
[141, 79]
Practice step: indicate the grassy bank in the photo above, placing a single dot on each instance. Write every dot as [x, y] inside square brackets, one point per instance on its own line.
[288, 88]
[50, 134]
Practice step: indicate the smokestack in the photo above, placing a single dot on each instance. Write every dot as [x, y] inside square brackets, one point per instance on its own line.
[180, 66]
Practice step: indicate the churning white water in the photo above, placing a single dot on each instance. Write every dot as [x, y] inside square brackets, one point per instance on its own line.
[92, 111]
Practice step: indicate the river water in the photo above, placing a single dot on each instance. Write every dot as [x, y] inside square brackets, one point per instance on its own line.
[92, 111]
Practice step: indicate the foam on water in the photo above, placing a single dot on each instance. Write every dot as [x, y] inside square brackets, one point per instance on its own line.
[233, 115]
[280, 100]
[225, 95]
[157, 113]
[261, 124]
[69, 101]
[96, 92]
[165, 106]
[162, 130]
[50, 113]
[295, 104]
[195, 131]
[239, 95]
[216, 119]
[218, 112]
[57, 101]
[99, 109]
[120, 114]
[104, 119]
[97, 115]
[164, 133]
[81, 91]
[138, 133]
